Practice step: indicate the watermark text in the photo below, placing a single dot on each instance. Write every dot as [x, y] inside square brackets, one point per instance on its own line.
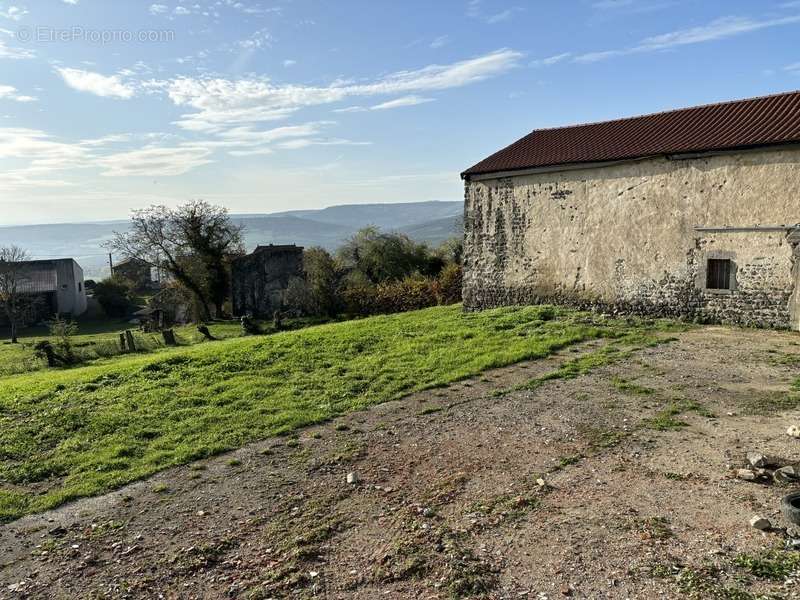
[43, 34]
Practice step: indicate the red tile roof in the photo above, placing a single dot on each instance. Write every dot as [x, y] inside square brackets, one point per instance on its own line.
[728, 125]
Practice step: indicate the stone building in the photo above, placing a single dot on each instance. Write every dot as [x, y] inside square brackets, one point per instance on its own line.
[692, 212]
[259, 280]
[135, 271]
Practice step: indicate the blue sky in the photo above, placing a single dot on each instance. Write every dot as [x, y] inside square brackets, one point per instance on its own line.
[264, 105]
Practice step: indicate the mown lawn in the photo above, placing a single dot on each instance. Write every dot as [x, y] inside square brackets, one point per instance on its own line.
[83, 431]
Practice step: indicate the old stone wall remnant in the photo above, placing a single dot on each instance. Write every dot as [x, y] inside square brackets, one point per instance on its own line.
[259, 279]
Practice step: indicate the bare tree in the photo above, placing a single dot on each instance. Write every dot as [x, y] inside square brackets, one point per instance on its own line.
[191, 243]
[11, 275]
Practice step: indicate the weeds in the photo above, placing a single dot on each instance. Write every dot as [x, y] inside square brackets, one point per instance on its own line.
[771, 564]
[630, 387]
[666, 418]
[707, 582]
[762, 403]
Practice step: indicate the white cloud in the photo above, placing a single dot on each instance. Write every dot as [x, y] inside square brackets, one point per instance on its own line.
[475, 11]
[247, 141]
[793, 68]
[258, 151]
[15, 13]
[14, 53]
[501, 16]
[718, 29]
[397, 103]
[440, 41]
[351, 109]
[47, 156]
[9, 92]
[95, 83]
[590, 57]
[181, 10]
[551, 60]
[34, 144]
[158, 9]
[442, 77]
[400, 102]
[289, 62]
[72, 2]
[230, 114]
[154, 162]
[258, 39]
[222, 102]
[474, 8]
[305, 143]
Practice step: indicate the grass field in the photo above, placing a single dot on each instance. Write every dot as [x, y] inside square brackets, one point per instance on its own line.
[100, 339]
[83, 431]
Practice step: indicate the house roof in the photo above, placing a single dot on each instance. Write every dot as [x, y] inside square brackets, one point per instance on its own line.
[747, 123]
[131, 260]
[278, 248]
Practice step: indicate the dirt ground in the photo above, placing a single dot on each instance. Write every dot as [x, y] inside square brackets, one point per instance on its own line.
[631, 501]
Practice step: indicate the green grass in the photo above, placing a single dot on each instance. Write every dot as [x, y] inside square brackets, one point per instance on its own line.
[770, 564]
[707, 582]
[630, 387]
[98, 340]
[666, 418]
[770, 402]
[77, 432]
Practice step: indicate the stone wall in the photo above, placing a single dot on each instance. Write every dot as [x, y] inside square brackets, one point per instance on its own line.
[259, 280]
[636, 237]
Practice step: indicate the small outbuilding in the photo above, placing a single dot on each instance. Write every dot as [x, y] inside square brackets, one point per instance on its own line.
[259, 280]
[692, 212]
[54, 287]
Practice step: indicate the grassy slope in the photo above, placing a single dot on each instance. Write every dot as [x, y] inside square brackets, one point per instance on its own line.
[71, 433]
[96, 337]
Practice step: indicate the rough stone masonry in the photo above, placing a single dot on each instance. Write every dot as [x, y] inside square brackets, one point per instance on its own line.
[641, 235]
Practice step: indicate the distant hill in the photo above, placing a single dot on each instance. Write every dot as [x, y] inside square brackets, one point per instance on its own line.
[385, 216]
[431, 222]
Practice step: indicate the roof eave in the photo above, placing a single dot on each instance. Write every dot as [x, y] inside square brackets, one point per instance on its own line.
[681, 155]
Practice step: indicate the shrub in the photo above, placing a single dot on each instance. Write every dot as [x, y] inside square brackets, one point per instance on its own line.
[382, 257]
[360, 299]
[114, 295]
[450, 280]
[323, 279]
[411, 293]
[62, 333]
[451, 250]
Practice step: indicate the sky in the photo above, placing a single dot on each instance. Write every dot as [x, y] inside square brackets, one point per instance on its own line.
[271, 105]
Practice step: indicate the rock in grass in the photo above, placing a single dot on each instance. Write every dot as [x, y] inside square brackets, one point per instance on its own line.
[760, 523]
[352, 478]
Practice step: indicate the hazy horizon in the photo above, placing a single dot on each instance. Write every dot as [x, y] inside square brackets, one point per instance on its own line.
[232, 214]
